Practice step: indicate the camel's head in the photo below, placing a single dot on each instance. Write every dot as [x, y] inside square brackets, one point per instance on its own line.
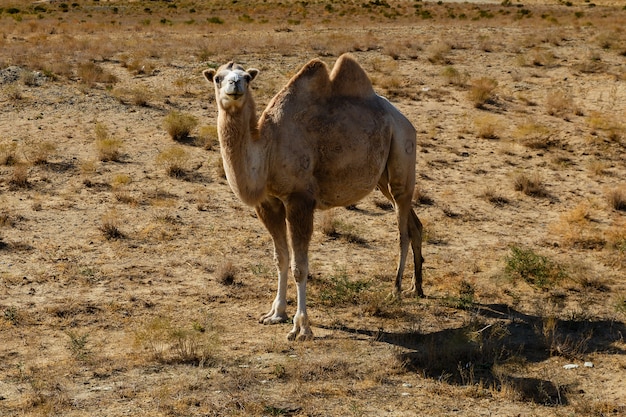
[231, 84]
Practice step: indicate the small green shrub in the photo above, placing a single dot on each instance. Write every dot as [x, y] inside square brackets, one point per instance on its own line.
[535, 269]
[78, 344]
[340, 290]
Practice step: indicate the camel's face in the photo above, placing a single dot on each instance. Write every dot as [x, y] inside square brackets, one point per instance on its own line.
[231, 84]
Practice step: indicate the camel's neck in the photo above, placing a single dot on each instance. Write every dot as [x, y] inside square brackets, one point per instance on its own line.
[244, 153]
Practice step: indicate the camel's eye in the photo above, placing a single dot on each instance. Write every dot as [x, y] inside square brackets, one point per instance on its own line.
[217, 80]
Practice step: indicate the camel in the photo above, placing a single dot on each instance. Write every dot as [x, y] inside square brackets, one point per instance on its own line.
[325, 140]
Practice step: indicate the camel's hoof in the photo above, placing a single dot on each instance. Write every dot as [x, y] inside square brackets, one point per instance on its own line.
[394, 296]
[414, 293]
[302, 336]
[273, 319]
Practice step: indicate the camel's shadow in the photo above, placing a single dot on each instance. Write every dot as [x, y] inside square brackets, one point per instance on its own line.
[491, 351]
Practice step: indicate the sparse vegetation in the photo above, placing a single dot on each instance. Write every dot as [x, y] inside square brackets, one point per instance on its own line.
[531, 185]
[534, 135]
[535, 269]
[126, 290]
[174, 160]
[110, 226]
[482, 91]
[559, 103]
[179, 125]
[107, 147]
[617, 198]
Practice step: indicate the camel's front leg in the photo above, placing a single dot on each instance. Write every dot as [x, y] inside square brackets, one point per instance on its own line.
[300, 222]
[272, 214]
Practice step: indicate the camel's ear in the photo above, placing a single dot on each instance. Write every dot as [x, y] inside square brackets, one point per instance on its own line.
[253, 73]
[209, 74]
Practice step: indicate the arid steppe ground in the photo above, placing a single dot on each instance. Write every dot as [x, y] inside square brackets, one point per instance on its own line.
[132, 279]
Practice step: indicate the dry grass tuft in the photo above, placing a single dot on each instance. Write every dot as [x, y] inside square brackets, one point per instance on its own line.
[226, 273]
[454, 76]
[175, 161]
[438, 53]
[617, 198]
[531, 185]
[482, 91]
[576, 229]
[208, 137]
[109, 227]
[533, 135]
[492, 195]
[179, 125]
[107, 148]
[91, 74]
[170, 343]
[559, 103]
[488, 127]
[8, 153]
[19, 178]
[38, 152]
[329, 224]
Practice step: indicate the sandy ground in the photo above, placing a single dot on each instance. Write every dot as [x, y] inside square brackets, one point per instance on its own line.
[91, 324]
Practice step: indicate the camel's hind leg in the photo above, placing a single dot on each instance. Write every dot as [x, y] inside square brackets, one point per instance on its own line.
[407, 216]
[402, 204]
[415, 231]
[272, 214]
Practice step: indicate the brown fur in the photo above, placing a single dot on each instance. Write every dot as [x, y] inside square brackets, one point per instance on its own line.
[324, 140]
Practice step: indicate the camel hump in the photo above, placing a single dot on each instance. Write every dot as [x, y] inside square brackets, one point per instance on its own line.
[311, 80]
[349, 79]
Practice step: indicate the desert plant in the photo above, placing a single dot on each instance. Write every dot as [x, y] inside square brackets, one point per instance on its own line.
[559, 103]
[535, 269]
[576, 229]
[110, 226]
[482, 91]
[174, 160]
[226, 273]
[207, 137]
[19, 179]
[179, 125]
[530, 185]
[339, 290]
[78, 344]
[611, 126]
[488, 127]
[617, 198]
[533, 135]
[454, 76]
[8, 153]
[38, 152]
[494, 197]
[541, 57]
[11, 314]
[438, 53]
[91, 73]
[13, 92]
[108, 148]
[168, 342]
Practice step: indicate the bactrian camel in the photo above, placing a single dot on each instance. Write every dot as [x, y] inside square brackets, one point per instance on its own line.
[325, 140]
